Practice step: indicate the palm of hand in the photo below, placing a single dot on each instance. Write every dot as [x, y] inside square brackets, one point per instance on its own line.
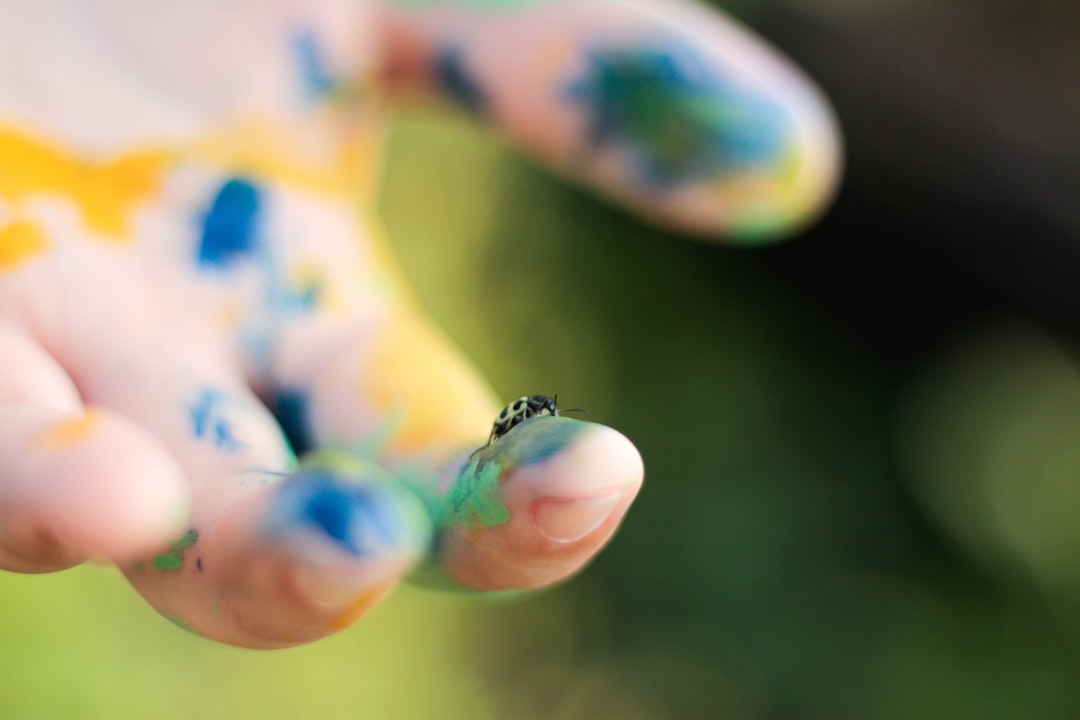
[178, 320]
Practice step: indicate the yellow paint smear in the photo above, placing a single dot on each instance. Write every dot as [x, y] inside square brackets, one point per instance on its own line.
[106, 193]
[109, 192]
[70, 431]
[358, 607]
[20, 241]
[267, 151]
[414, 371]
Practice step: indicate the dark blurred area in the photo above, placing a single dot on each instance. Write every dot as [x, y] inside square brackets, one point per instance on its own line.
[964, 158]
[863, 445]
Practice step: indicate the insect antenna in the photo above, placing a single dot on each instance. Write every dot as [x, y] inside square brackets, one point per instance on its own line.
[559, 410]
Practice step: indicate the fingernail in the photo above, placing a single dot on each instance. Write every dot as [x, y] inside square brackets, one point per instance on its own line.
[568, 520]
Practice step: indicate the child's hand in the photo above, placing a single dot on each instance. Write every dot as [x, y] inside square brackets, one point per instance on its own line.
[151, 360]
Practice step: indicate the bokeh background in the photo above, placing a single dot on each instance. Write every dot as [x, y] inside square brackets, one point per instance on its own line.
[862, 446]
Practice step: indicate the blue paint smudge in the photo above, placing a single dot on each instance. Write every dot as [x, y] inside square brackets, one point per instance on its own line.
[680, 120]
[359, 519]
[200, 412]
[454, 78]
[291, 410]
[223, 437]
[546, 438]
[280, 297]
[306, 297]
[318, 81]
[286, 297]
[231, 227]
[209, 422]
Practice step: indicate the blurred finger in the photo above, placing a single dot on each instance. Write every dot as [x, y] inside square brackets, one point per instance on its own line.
[274, 559]
[63, 496]
[668, 107]
[301, 557]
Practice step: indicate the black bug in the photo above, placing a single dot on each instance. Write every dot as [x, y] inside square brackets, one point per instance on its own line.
[525, 407]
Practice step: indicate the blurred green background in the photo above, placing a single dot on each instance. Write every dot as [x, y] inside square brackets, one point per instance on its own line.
[862, 446]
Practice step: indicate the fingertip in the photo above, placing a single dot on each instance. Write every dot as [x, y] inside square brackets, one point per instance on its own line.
[276, 560]
[576, 497]
[807, 173]
[792, 177]
[779, 145]
[602, 457]
[557, 456]
[355, 515]
[112, 489]
[300, 557]
[563, 487]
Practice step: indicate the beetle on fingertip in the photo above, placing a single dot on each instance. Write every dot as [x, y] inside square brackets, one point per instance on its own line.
[525, 407]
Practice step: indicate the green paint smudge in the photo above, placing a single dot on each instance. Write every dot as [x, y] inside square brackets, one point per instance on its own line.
[679, 117]
[344, 463]
[474, 502]
[139, 567]
[182, 624]
[475, 499]
[379, 438]
[174, 558]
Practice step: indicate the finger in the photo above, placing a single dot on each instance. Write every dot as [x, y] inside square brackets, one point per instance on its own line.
[273, 556]
[668, 107]
[307, 555]
[535, 506]
[549, 495]
[63, 496]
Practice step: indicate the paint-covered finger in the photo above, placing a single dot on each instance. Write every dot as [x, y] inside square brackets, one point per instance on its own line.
[61, 498]
[533, 507]
[291, 558]
[80, 484]
[191, 395]
[665, 105]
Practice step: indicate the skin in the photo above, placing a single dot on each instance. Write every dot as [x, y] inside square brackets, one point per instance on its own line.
[216, 377]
